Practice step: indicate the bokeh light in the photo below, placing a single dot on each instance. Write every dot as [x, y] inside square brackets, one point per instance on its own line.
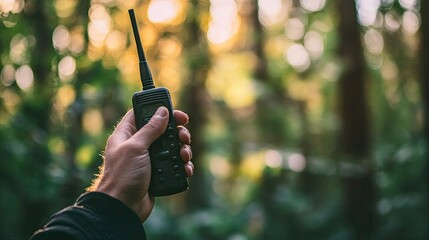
[11, 6]
[297, 56]
[295, 29]
[6, 5]
[312, 5]
[287, 60]
[65, 96]
[273, 158]
[367, 11]
[229, 82]
[77, 40]
[65, 8]
[24, 77]
[163, 11]
[220, 167]
[296, 162]
[99, 25]
[11, 102]
[408, 4]
[240, 93]
[374, 41]
[391, 22]
[7, 75]
[410, 22]
[128, 66]
[273, 11]
[84, 155]
[66, 68]
[19, 48]
[170, 47]
[169, 77]
[93, 121]
[253, 164]
[116, 41]
[61, 38]
[389, 71]
[56, 145]
[224, 21]
[313, 42]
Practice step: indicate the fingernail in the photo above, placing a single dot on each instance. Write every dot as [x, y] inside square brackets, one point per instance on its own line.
[192, 165]
[162, 111]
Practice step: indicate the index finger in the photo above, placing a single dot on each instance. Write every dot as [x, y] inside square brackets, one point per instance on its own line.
[181, 117]
[123, 131]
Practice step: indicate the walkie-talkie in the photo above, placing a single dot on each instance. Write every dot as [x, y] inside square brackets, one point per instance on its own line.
[168, 172]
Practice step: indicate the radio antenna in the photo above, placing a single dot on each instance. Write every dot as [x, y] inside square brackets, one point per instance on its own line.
[145, 75]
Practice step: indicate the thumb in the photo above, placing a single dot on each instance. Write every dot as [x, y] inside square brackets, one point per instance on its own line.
[154, 128]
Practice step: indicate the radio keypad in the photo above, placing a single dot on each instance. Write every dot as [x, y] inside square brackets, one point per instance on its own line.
[170, 144]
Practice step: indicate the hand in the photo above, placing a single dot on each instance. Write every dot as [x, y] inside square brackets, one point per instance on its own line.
[126, 170]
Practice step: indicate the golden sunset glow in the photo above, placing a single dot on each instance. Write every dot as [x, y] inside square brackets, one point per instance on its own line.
[307, 118]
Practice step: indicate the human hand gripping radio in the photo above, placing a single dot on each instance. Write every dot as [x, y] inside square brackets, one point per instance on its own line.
[152, 130]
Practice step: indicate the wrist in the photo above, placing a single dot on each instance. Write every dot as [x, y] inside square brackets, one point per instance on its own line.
[109, 188]
[140, 205]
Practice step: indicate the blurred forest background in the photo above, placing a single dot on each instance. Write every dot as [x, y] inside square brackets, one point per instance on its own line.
[309, 118]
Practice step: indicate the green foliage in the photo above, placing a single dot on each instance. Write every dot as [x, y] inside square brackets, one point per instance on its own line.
[265, 122]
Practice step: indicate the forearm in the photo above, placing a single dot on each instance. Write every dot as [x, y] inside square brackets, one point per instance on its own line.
[95, 216]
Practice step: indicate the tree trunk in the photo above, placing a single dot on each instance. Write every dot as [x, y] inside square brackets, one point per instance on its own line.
[37, 108]
[194, 102]
[359, 187]
[424, 78]
[72, 186]
[272, 127]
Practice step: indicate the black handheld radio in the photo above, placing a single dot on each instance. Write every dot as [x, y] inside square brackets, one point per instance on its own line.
[168, 172]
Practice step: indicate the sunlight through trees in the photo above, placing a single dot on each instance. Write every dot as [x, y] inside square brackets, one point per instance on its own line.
[297, 109]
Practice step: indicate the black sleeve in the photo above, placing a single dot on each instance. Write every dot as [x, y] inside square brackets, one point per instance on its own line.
[94, 216]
